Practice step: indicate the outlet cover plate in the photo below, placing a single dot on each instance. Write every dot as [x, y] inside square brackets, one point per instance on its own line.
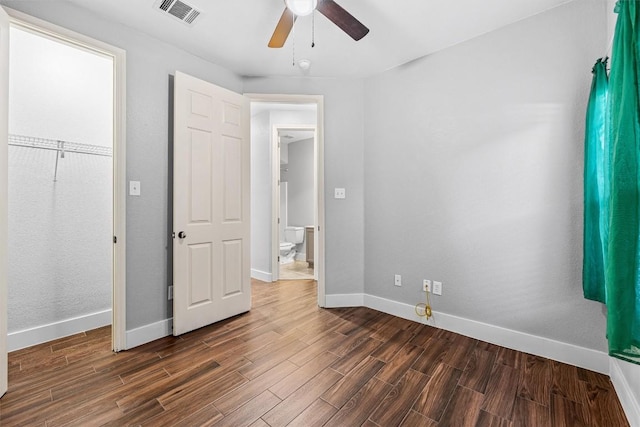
[398, 280]
[426, 285]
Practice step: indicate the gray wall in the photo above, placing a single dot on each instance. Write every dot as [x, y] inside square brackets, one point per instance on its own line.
[473, 176]
[149, 64]
[300, 179]
[343, 143]
[261, 193]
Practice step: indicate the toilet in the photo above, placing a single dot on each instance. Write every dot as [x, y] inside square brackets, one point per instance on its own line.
[292, 237]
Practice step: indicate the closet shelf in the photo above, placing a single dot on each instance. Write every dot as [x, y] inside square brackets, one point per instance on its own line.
[57, 145]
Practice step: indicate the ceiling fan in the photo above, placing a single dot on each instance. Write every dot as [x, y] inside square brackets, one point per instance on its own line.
[334, 12]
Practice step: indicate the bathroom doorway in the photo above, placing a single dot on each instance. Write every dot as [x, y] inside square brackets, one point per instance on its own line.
[296, 257]
[271, 114]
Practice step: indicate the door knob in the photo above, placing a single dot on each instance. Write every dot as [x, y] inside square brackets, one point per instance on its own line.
[182, 235]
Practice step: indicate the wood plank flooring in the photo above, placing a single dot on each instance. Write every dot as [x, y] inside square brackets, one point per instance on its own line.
[289, 363]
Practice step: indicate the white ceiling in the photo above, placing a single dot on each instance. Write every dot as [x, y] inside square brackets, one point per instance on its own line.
[235, 33]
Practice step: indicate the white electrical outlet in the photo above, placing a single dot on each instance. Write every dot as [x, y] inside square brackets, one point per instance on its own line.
[426, 285]
[398, 280]
[437, 288]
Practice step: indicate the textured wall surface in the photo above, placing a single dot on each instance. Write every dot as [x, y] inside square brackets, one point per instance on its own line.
[473, 176]
[59, 263]
[60, 250]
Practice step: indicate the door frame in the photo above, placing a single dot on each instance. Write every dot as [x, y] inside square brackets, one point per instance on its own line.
[275, 194]
[61, 34]
[319, 244]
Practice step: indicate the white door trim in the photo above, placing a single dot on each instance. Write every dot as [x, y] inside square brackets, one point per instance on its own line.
[4, 126]
[319, 266]
[118, 55]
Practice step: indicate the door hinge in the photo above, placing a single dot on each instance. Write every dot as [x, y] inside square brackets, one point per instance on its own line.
[173, 235]
[278, 258]
[115, 239]
[278, 220]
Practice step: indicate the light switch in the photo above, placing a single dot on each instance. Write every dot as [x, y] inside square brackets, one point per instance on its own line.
[340, 193]
[134, 188]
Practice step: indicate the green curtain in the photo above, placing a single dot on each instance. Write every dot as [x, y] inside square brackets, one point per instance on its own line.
[622, 258]
[596, 190]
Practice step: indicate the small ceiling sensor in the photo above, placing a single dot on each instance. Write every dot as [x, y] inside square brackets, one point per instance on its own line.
[304, 64]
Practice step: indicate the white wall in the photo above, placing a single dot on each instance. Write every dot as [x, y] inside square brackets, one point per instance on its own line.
[60, 257]
[59, 262]
[626, 379]
[473, 176]
[343, 144]
[149, 64]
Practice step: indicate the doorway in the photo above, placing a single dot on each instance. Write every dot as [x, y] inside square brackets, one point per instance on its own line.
[268, 114]
[295, 192]
[66, 158]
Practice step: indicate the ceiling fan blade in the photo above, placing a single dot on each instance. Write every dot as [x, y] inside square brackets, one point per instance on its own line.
[342, 19]
[285, 24]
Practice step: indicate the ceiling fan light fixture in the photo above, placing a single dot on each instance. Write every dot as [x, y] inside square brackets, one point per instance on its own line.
[301, 7]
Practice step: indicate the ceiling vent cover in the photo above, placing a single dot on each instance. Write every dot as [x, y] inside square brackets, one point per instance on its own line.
[178, 9]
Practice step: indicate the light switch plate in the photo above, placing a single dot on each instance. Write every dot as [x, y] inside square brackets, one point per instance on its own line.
[437, 288]
[134, 188]
[340, 193]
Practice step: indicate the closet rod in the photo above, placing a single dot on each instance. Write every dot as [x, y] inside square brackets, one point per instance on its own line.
[60, 146]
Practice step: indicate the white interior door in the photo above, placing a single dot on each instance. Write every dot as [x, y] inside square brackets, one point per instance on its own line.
[4, 122]
[211, 253]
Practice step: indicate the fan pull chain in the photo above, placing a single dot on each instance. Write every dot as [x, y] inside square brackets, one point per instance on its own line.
[293, 30]
[313, 29]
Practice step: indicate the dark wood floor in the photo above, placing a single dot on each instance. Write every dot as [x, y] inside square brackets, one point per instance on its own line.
[288, 362]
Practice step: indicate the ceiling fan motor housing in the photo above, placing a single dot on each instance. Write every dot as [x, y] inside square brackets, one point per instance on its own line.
[301, 7]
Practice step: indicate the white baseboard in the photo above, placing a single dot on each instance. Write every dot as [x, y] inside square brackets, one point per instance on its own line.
[626, 378]
[261, 275]
[344, 300]
[568, 353]
[148, 333]
[52, 331]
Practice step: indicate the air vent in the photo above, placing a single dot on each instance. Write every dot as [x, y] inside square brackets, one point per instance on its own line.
[178, 9]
